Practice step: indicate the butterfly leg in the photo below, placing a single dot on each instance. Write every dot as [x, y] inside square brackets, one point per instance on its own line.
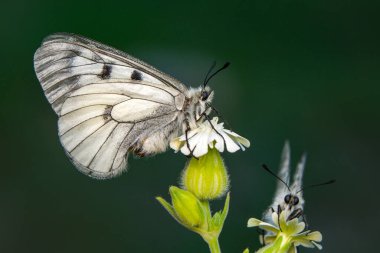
[261, 233]
[201, 116]
[304, 220]
[295, 214]
[187, 138]
[212, 126]
[136, 150]
[139, 152]
[279, 210]
[217, 114]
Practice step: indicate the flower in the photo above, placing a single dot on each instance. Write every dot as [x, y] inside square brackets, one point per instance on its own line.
[187, 207]
[195, 214]
[284, 236]
[206, 177]
[209, 134]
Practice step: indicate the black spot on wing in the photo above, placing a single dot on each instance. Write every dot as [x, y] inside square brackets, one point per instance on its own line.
[136, 75]
[106, 72]
[107, 112]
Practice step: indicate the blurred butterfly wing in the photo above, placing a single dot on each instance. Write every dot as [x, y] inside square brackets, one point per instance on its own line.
[284, 172]
[297, 179]
[106, 100]
[281, 189]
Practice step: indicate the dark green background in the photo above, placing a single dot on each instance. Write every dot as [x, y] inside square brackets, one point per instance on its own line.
[307, 71]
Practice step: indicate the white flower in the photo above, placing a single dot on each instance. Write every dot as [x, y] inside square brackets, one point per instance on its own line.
[207, 135]
[285, 236]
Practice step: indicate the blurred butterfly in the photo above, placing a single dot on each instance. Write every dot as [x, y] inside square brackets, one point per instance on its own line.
[110, 103]
[289, 197]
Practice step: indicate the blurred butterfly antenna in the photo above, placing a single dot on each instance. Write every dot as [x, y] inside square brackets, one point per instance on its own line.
[315, 185]
[208, 78]
[208, 73]
[265, 167]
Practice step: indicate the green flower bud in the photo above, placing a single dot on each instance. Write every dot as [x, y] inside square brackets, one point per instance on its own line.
[188, 208]
[206, 177]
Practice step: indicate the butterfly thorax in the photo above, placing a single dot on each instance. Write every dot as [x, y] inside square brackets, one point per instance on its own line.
[197, 105]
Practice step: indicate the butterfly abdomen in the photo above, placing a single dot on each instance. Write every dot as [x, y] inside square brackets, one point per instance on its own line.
[157, 141]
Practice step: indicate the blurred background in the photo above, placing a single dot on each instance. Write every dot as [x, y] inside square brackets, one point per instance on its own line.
[306, 71]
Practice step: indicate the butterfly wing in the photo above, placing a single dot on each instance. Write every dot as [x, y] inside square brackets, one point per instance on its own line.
[297, 179]
[281, 189]
[66, 62]
[283, 173]
[106, 100]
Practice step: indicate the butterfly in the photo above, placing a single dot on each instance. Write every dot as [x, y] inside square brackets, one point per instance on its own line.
[288, 201]
[110, 104]
[287, 197]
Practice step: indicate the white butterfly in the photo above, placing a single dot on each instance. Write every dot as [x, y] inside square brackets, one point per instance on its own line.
[288, 197]
[110, 103]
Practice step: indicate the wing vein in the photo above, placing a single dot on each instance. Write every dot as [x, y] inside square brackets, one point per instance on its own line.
[49, 76]
[122, 59]
[102, 144]
[89, 136]
[57, 83]
[121, 143]
[81, 123]
[129, 82]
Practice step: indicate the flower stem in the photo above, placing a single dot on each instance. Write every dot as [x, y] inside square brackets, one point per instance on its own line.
[211, 238]
[213, 244]
[206, 206]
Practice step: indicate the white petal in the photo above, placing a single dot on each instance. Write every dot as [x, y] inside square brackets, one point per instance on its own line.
[238, 138]
[209, 134]
[185, 150]
[253, 222]
[317, 245]
[230, 144]
[201, 146]
[275, 218]
[176, 144]
[314, 236]
[219, 145]
[293, 249]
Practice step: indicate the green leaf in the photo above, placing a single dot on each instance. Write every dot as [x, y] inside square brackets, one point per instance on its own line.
[168, 208]
[226, 207]
[217, 221]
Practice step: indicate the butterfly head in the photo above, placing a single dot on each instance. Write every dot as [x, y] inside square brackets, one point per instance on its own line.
[287, 196]
[206, 95]
[292, 200]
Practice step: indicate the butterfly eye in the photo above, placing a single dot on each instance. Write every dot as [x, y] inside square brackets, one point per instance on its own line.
[204, 95]
[296, 200]
[287, 198]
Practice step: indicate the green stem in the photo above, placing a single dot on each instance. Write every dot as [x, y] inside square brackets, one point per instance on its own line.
[206, 206]
[213, 244]
[211, 238]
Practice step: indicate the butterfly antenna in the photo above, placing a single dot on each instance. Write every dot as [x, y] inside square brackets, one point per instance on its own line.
[315, 185]
[265, 167]
[208, 73]
[216, 72]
